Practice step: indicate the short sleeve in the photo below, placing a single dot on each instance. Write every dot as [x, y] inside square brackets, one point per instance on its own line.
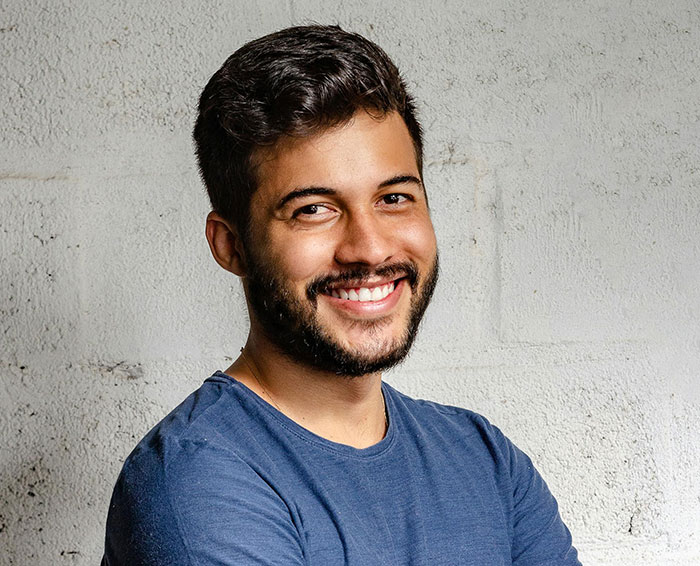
[540, 537]
[199, 506]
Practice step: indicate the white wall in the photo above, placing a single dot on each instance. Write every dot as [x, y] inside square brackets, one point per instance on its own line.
[564, 175]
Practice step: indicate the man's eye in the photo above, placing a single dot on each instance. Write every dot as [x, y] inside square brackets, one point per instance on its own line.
[308, 209]
[394, 198]
[311, 210]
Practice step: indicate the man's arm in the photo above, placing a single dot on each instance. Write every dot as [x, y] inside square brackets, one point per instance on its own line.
[540, 537]
[198, 508]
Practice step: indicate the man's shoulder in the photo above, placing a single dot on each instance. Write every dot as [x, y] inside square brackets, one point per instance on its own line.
[428, 407]
[428, 410]
[458, 425]
[203, 420]
[200, 445]
[188, 475]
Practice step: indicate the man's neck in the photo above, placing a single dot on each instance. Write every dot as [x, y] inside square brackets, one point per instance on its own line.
[346, 410]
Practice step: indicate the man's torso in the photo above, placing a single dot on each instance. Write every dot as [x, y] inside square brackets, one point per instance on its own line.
[228, 479]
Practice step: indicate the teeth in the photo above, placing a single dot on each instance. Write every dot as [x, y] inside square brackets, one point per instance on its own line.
[364, 294]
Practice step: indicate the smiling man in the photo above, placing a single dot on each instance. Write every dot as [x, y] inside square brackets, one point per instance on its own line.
[298, 453]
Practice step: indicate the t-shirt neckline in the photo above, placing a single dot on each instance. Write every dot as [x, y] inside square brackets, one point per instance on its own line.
[313, 438]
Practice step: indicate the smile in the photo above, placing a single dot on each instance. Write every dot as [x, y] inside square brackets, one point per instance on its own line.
[367, 293]
[364, 294]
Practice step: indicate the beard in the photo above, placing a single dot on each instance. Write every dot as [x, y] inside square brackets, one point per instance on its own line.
[292, 324]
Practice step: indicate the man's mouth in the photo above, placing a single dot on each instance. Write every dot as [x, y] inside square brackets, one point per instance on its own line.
[364, 286]
[363, 294]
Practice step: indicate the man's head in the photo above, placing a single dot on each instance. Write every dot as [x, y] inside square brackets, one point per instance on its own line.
[311, 153]
[295, 82]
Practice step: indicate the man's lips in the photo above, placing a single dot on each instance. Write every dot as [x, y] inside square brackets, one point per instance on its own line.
[358, 303]
[358, 279]
[369, 292]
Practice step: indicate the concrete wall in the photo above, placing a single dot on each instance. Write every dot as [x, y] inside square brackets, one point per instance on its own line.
[563, 169]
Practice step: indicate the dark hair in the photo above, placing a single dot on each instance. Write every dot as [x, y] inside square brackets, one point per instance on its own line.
[297, 82]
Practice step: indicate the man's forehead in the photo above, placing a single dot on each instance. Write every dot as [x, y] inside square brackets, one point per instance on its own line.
[343, 151]
[290, 141]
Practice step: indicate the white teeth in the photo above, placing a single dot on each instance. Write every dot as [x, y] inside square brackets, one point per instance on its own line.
[364, 294]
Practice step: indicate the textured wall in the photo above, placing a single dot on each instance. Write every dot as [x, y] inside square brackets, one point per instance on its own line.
[563, 168]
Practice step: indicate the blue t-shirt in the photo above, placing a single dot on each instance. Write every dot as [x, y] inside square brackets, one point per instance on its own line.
[228, 479]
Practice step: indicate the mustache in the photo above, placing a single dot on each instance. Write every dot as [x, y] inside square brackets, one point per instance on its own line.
[407, 269]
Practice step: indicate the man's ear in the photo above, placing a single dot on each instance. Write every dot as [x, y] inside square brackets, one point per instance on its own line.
[225, 244]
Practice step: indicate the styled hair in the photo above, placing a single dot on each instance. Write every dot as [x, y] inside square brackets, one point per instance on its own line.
[295, 82]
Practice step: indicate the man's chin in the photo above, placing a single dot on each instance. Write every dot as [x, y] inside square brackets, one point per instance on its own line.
[353, 359]
[367, 343]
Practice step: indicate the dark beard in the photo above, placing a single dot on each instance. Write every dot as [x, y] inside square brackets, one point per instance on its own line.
[292, 326]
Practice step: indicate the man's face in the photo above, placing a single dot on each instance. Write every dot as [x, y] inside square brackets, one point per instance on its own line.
[341, 254]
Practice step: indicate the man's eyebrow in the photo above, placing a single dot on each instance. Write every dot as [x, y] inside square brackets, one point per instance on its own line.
[399, 179]
[303, 192]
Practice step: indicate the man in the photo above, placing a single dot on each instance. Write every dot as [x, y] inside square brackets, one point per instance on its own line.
[298, 453]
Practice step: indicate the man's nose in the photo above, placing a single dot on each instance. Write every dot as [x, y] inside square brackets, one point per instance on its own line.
[365, 239]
